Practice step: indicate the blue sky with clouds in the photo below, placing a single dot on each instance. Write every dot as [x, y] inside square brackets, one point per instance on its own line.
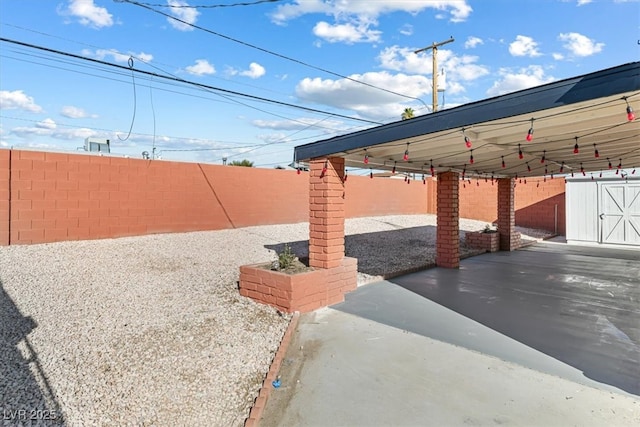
[349, 64]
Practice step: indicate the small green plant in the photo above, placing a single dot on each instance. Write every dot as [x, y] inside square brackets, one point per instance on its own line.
[286, 258]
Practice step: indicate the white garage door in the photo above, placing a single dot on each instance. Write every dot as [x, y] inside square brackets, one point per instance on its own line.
[620, 213]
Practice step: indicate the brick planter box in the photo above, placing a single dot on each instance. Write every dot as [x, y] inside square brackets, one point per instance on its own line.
[490, 242]
[302, 292]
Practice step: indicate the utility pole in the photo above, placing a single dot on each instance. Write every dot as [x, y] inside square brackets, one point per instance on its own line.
[434, 50]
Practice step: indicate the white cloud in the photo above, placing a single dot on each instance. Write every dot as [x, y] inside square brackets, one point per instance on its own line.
[583, 2]
[472, 42]
[524, 46]
[187, 14]
[17, 100]
[580, 45]
[200, 68]
[46, 124]
[87, 13]
[347, 33]
[406, 30]
[353, 20]
[122, 58]
[458, 9]
[557, 56]
[255, 71]
[301, 123]
[369, 102]
[75, 112]
[511, 81]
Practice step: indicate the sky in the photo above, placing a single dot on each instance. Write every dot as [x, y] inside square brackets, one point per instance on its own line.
[252, 79]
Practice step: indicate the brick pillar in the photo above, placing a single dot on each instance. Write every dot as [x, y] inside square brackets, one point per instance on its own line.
[509, 238]
[448, 240]
[326, 212]
[4, 197]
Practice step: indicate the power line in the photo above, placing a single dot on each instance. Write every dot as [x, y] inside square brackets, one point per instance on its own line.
[173, 78]
[204, 6]
[270, 52]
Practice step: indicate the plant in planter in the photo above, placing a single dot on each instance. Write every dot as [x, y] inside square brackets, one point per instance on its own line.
[290, 285]
[487, 239]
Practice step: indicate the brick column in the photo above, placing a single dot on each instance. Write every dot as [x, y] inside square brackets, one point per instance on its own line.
[448, 240]
[4, 197]
[326, 212]
[509, 238]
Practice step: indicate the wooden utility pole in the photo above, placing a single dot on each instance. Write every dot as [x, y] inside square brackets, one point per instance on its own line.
[434, 47]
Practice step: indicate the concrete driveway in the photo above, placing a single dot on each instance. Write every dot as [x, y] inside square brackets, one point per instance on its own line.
[547, 335]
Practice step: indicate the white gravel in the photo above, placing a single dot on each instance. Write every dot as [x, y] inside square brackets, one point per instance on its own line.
[151, 330]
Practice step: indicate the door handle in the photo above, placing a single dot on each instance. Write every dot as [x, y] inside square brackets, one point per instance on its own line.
[601, 216]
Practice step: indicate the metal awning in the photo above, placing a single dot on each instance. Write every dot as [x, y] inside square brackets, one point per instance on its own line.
[589, 110]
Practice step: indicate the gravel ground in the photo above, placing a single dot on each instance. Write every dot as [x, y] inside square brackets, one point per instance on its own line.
[151, 330]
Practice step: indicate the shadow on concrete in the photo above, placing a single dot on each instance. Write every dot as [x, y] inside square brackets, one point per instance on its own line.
[386, 253]
[577, 305]
[26, 397]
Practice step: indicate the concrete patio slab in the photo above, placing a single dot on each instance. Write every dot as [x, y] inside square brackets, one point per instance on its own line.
[548, 335]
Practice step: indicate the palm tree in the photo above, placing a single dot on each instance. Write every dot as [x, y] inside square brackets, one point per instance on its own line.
[407, 113]
[244, 162]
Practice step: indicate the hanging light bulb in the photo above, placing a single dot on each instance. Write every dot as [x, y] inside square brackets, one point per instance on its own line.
[406, 153]
[467, 141]
[544, 156]
[633, 172]
[370, 173]
[630, 114]
[592, 177]
[545, 170]
[464, 171]
[324, 168]
[596, 154]
[582, 170]
[366, 157]
[471, 157]
[620, 164]
[408, 180]
[610, 167]
[394, 168]
[298, 171]
[600, 174]
[345, 176]
[520, 155]
[424, 180]
[576, 149]
[431, 168]
[530, 133]
[562, 167]
[528, 167]
[504, 165]
[551, 175]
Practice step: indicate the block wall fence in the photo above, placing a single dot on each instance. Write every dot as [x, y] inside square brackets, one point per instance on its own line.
[52, 196]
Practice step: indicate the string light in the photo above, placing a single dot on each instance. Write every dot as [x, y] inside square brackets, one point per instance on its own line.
[471, 157]
[544, 156]
[298, 170]
[528, 167]
[406, 153]
[371, 173]
[345, 176]
[431, 168]
[324, 168]
[520, 155]
[467, 141]
[562, 167]
[610, 167]
[530, 133]
[576, 149]
[630, 114]
[503, 163]
[596, 154]
[620, 164]
[424, 180]
[394, 168]
[582, 170]
[366, 157]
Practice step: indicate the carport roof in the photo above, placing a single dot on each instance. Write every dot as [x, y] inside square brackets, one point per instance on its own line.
[588, 110]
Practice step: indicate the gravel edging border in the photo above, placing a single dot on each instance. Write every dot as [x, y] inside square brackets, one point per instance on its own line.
[255, 414]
